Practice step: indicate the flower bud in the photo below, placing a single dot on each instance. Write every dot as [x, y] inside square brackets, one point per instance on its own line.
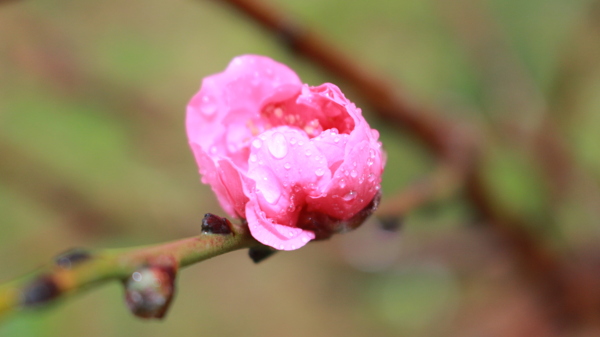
[149, 290]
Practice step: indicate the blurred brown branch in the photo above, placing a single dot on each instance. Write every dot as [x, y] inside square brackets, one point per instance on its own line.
[454, 144]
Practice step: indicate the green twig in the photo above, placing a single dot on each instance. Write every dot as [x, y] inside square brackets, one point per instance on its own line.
[146, 272]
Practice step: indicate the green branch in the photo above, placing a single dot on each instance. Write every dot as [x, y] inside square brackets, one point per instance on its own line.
[148, 273]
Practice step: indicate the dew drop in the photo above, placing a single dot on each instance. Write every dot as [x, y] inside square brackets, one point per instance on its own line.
[213, 149]
[353, 173]
[253, 158]
[268, 185]
[336, 139]
[301, 143]
[342, 183]
[349, 196]
[319, 172]
[307, 153]
[287, 166]
[278, 145]
[293, 141]
[291, 234]
[208, 106]
[305, 239]
[257, 143]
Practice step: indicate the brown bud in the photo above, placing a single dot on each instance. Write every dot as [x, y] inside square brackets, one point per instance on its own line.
[40, 291]
[258, 254]
[149, 290]
[214, 224]
[72, 257]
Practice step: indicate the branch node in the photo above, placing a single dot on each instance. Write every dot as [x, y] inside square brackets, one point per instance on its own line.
[72, 257]
[258, 254]
[150, 289]
[40, 291]
[214, 224]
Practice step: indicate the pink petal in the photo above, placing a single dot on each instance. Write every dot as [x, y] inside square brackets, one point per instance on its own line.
[273, 234]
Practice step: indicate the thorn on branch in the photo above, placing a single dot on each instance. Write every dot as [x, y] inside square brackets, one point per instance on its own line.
[214, 224]
[40, 291]
[258, 254]
[70, 258]
[150, 289]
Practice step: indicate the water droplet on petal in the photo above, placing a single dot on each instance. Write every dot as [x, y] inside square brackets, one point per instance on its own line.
[307, 153]
[208, 106]
[287, 166]
[293, 141]
[319, 172]
[353, 173]
[291, 234]
[305, 239]
[349, 196]
[213, 149]
[268, 185]
[257, 143]
[336, 139]
[253, 158]
[342, 183]
[278, 145]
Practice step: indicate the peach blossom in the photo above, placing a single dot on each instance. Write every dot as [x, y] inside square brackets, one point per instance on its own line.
[296, 162]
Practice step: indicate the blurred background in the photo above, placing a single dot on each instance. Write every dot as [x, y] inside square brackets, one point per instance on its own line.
[93, 153]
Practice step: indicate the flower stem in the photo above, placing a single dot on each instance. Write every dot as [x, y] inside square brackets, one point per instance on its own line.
[77, 270]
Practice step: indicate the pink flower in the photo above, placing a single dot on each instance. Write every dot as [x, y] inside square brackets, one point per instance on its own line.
[297, 162]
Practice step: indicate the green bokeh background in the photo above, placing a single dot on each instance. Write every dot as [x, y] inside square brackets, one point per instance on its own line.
[93, 153]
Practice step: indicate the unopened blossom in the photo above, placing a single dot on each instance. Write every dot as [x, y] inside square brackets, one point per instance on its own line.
[296, 162]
